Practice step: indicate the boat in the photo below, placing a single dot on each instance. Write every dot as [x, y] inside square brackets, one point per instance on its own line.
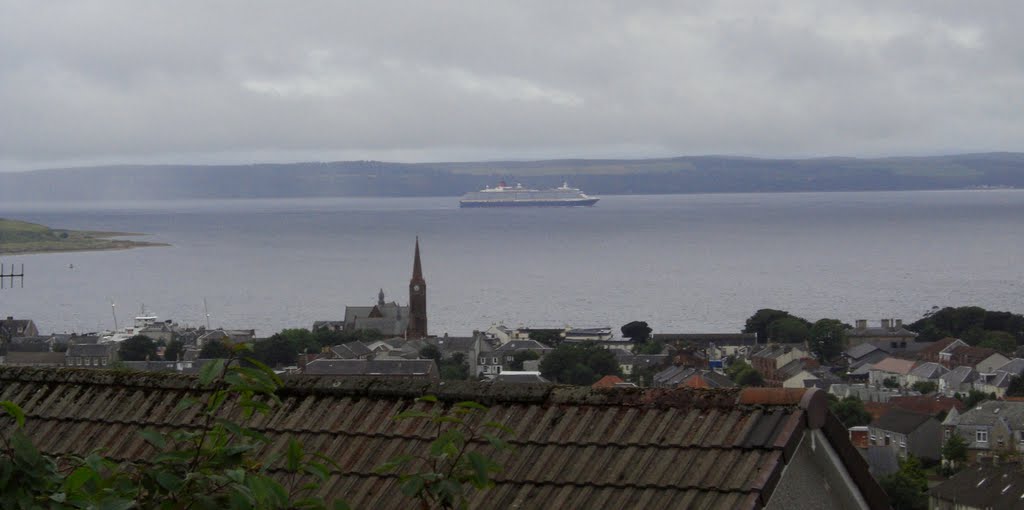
[119, 335]
[504, 195]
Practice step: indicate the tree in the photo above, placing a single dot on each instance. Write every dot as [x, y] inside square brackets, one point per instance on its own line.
[971, 323]
[907, 487]
[743, 374]
[430, 352]
[891, 383]
[637, 332]
[649, 347]
[577, 364]
[828, 338]
[277, 350]
[925, 387]
[973, 398]
[137, 348]
[850, 411]
[550, 338]
[789, 330]
[759, 322]
[454, 368]
[1016, 388]
[521, 356]
[215, 349]
[955, 452]
[174, 350]
[1001, 341]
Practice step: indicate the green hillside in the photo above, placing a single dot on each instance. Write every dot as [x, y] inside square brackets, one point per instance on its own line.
[22, 237]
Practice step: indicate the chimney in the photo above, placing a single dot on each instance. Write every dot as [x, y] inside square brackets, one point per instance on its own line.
[886, 323]
[862, 324]
[897, 323]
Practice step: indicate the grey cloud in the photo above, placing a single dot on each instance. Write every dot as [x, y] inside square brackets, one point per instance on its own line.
[209, 81]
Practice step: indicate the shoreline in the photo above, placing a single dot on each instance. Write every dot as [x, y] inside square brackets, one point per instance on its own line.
[60, 249]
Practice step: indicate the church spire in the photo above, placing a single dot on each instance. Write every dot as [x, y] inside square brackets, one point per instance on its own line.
[417, 270]
[380, 298]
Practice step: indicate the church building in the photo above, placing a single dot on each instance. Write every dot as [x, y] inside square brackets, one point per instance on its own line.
[392, 319]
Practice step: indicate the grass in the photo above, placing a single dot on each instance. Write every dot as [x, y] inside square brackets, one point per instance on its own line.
[19, 237]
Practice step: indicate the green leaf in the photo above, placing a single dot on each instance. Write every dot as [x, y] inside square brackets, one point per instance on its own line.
[154, 438]
[294, 455]
[481, 468]
[185, 403]
[469, 404]
[78, 477]
[393, 464]
[210, 371]
[169, 481]
[15, 411]
[412, 486]
[236, 475]
[341, 505]
[318, 470]
[428, 398]
[412, 413]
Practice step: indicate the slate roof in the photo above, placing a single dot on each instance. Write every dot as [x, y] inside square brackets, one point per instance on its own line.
[993, 488]
[523, 345]
[959, 375]
[351, 350]
[365, 367]
[574, 446]
[901, 421]
[1015, 366]
[990, 411]
[930, 370]
[936, 347]
[91, 350]
[859, 351]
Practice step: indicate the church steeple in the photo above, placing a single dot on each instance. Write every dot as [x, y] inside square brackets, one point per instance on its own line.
[380, 298]
[417, 269]
[417, 327]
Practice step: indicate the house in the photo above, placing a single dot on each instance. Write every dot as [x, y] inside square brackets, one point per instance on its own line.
[864, 354]
[11, 327]
[890, 334]
[90, 355]
[351, 350]
[926, 372]
[938, 351]
[908, 433]
[681, 448]
[890, 369]
[934, 404]
[519, 377]
[993, 428]
[424, 369]
[982, 359]
[958, 380]
[33, 359]
[980, 488]
[993, 383]
[714, 346]
[676, 376]
[800, 379]
[228, 336]
[332, 326]
[603, 334]
[507, 352]
[770, 360]
[608, 381]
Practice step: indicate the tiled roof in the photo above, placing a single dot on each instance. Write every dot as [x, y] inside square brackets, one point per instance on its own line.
[929, 404]
[608, 381]
[994, 488]
[363, 367]
[707, 338]
[930, 370]
[574, 447]
[91, 350]
[894, 365]
[34, 358]
[901, 421]
[936, 347]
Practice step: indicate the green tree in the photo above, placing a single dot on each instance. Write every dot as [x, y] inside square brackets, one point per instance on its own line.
[215, 349]
[454, 368]
[1016, 388]
[743, 374]
[955, 452]
[174, 350]
[137, 348]
[759, 322]
[925, 387]
[521, 356]
[908, 487]
[789, 330]
[431, 352]
[550, 338]
[973, 398]
[891, 383]
[579, 364]
[1001, 341]
[278, 350]
[850, 411]
[971, 323]
[649, 347]
[637, 332]
[828, 339]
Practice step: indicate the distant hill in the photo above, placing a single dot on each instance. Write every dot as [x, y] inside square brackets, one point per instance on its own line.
[699, 174]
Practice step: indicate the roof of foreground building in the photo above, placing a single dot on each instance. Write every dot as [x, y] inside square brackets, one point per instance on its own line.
[574, 447]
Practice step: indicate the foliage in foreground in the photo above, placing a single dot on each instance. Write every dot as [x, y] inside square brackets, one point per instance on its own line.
[445, 475]
[218, 464]
[908, 487]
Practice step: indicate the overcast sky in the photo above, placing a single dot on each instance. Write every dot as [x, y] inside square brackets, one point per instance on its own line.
[200, 82]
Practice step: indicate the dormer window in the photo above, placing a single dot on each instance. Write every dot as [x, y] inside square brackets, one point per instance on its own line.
[981, 435]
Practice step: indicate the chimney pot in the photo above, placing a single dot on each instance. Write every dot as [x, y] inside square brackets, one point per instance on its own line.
[886, 323]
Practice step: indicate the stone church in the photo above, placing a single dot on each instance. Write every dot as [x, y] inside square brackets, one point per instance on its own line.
[392, 319]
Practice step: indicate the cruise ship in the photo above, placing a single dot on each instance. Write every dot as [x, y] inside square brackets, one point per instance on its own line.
[517, 196]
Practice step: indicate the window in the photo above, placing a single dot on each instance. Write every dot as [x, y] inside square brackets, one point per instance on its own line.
[494, 361]
[981, 435]
[483, 360]
[948, 433]
[888, 439]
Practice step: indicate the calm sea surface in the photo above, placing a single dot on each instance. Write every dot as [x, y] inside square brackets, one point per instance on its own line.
[681, 262]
